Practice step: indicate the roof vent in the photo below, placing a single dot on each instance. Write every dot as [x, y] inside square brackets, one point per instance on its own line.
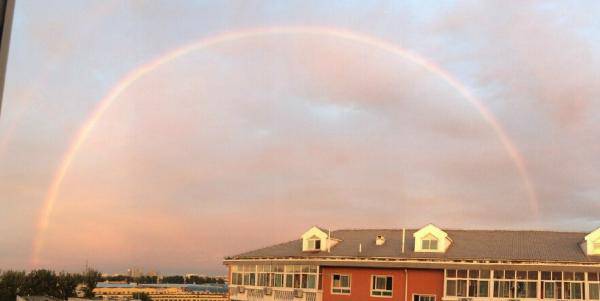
[379, 240]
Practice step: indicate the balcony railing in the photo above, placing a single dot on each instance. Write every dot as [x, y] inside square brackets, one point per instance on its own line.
[255, 293]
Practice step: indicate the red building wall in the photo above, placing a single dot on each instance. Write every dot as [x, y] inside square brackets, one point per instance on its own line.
[427, 282]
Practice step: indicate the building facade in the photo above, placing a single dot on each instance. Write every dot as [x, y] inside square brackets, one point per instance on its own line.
[426, 264]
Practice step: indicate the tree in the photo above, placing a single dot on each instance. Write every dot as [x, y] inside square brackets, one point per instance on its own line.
[11, 283]
[66, 284]
[40, 283]
[173, 279]
[141, 296]
[90, 279]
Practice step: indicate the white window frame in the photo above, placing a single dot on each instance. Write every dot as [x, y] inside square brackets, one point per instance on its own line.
[429, 241]
[423, 295]
[391, 290]
[341, 288]
[312, 244]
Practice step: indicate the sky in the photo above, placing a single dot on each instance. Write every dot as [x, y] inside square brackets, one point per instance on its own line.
[249, 141]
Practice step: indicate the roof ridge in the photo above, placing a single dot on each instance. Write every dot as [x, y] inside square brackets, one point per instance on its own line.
[463, 229]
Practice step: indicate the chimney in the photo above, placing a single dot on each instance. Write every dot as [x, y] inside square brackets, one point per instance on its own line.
[379, 240]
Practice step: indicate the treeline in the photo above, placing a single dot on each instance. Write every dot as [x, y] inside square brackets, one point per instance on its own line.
[175, 279]
[46, 283]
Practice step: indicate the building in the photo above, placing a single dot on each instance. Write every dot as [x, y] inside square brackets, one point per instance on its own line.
[427, 264]
[37, 298]
[161, 292]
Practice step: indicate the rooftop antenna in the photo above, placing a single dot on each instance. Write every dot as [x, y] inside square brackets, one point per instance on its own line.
[329, 240]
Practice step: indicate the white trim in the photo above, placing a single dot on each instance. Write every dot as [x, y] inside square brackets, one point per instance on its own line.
[479, 262]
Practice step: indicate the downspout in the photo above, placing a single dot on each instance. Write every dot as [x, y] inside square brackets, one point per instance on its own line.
[405, 284]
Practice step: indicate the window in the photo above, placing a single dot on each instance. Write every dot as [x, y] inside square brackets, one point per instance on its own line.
[515, 284]
[423, 298]
[463, 283]
[314, 243]
[381, 286]
[573, 290]
[429, 242]
[292, 276]
[340, 284]
[573, 285]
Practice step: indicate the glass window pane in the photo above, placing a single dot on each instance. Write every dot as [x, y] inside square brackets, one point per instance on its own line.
[567, 289]
[473, 288]
[389, 283]
[576, 291]
[345, 281]
[509, 274]
[568, 275]
[433, 245]
[473, 273]
[521, 275]
[462, 273]
[549, 290]
[484, 288]
[485, 274]
[461, 288]
[297, 278]
[594, 291]
[579, 276]
[451, 287]
[532, 275]
[531, 289]
[546, 276]
[451, 273]
[498, 274]
[521, 290]
[558, 291]
[556, 276]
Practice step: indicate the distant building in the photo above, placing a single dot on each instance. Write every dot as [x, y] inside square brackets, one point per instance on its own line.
[37, 298]
[427, 264]
[162, 292]
[135, 272]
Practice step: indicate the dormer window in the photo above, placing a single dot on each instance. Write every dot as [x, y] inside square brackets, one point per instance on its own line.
[429, 242]
[591, 245]
[431, 239]
[317, 239]
[314, 244]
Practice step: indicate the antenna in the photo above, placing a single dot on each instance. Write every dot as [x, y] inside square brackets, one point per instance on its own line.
[329, 240]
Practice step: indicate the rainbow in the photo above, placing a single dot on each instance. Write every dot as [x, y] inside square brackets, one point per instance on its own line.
[135, 74]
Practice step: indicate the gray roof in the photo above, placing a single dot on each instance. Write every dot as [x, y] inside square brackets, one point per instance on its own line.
[495, 245]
